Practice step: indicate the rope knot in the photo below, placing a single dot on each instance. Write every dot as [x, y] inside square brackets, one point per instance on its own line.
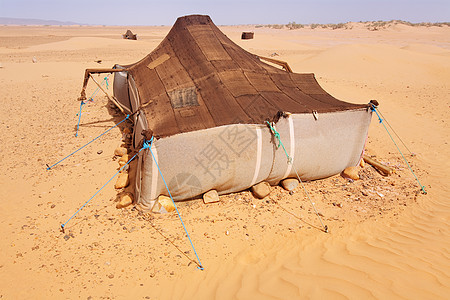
[147, 144]
[276, 135]
[374, 109]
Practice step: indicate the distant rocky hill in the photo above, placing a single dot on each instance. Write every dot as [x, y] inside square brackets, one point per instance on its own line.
[18, 21]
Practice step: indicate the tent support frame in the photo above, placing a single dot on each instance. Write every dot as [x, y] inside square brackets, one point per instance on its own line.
[88, 74]
[281, 63]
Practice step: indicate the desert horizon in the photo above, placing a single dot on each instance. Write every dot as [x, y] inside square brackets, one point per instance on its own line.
[386, 239]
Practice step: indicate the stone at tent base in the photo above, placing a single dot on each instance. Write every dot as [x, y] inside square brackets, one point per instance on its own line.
[211, 197]
[362, 163]
[289, 184]
[122, 181]
[261, 190]
[351, 172]
[125, 199]
[120, 151]
[124, 158]
[163, 205]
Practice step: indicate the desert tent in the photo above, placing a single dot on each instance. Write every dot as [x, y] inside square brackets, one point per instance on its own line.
[206, 101]
[129, 35]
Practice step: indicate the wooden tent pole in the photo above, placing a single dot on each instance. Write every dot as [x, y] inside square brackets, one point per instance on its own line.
[384, 169]
[281, 63]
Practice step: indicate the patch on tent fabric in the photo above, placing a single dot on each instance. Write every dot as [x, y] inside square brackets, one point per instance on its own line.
[158, 61]
[186, 113]
[183, 97]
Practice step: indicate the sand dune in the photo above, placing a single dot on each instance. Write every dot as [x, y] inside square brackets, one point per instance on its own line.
[390, 242]
[81, 43]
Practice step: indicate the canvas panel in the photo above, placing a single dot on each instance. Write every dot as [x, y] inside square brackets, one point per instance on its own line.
[322, 147]
[275, 98]
[237, 83]
[161, 117]
[307, 83]
[245, 60]
[133, 94]
[223, 158]
[225, 65]
[173, 75]
[120, 89]
[185, 47]
[261, 82]
[221, 104]
[208, 42]
[257, 107]
[283, 80]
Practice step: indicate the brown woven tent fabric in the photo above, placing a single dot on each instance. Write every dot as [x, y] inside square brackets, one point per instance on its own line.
[197, 78]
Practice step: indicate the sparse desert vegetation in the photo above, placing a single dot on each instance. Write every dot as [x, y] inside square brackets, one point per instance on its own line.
[370, 25]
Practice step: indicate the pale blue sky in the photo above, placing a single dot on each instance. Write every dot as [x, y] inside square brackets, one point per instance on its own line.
[165, 12]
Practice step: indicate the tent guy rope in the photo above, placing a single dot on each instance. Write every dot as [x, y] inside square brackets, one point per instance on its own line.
[147, 146]
[49, 167]
[91, 98]
[120, 170]
[276, 134]
[373, 107]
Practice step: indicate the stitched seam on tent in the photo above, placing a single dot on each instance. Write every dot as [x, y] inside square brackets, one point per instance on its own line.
[173, 112]
[197, 80]
[292, 146]
[225, 86]
[258, 155]
[155, 174]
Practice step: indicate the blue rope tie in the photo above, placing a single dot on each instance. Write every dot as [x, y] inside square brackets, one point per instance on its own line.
[106, 80]
[374, 109]
[276, 134]
[48, 168]
[64, 225]
[79, 118]
[147, 146]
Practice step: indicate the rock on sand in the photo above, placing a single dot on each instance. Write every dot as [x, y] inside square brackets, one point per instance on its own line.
[289, 184]
[125, 199]
[122, 181]
[163, 204]
[261, 190]
[211, 197]
[351, 172]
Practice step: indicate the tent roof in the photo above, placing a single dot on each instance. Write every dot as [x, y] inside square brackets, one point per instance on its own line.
[197, 78]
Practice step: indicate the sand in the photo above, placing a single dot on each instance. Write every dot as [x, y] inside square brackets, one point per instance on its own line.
[386, 240]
